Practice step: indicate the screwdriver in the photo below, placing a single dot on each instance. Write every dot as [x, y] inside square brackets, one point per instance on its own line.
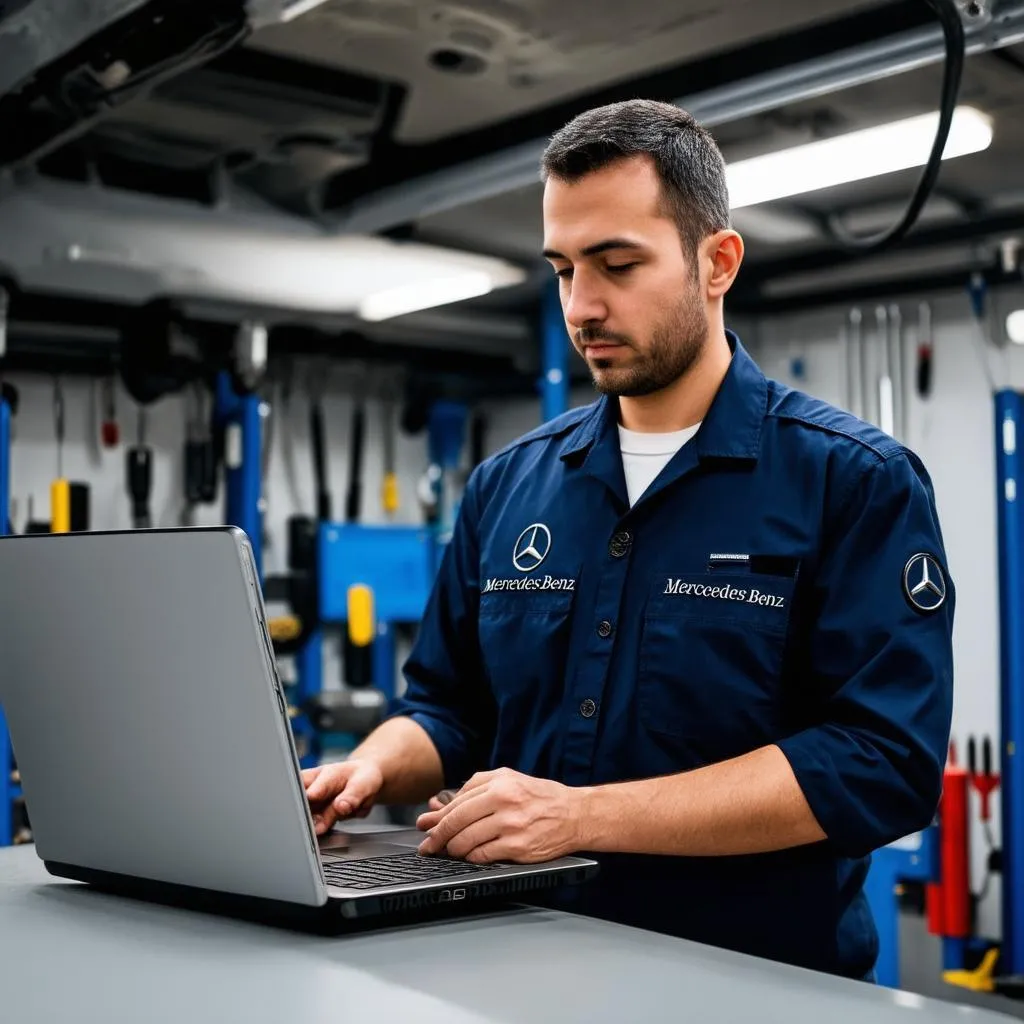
[60, 489]
[389, 492]
[140, 476]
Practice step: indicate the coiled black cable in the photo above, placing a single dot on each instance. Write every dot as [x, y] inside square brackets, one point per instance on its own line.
[956, 49]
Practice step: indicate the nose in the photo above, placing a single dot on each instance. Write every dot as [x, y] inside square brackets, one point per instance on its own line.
[584, 303]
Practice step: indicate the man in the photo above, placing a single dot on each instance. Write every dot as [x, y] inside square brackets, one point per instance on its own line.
[700, 629]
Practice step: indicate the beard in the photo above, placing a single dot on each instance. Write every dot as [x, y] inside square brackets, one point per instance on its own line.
[675, 345]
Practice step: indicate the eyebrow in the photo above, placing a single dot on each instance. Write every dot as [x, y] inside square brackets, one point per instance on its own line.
[597, 248]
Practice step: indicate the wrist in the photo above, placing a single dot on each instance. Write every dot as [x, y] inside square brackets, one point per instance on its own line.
[586, 815]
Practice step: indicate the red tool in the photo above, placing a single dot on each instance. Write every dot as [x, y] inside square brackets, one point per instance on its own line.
[110, 432]
[948, 901]
[986, 781]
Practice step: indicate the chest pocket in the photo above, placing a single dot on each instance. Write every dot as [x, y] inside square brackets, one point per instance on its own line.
[711, 661]
[524, 640]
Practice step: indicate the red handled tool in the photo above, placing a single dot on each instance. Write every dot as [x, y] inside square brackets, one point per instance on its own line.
[986, 782]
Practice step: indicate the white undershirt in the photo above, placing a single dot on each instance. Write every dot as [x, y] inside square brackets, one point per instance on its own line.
[644, 456]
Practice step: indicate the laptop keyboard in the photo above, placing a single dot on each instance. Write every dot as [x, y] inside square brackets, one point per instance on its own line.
[398, 869]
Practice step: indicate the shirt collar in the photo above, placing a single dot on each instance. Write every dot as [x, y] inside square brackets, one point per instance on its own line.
[731, 428]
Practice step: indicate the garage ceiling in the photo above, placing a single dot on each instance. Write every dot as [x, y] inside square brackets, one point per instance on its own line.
[314, 115]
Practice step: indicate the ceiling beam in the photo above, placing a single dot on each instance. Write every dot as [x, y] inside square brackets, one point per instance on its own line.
[886, 286]
[1001, 223]
[409, 182]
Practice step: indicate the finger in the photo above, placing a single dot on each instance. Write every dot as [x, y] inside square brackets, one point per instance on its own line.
[358, 788]
[309, 774]
[434, 804]
[320, 787]
[478, 780]
[492, 852]
[460, 814]
[323, 821]
[476, 835]
[428, 820]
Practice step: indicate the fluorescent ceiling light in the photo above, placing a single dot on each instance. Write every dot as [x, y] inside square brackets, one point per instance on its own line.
[298, 8]
[853, 157]
[434, 291]
[1015, 327]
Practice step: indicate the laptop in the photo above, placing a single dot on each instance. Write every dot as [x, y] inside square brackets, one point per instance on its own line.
[156, 756]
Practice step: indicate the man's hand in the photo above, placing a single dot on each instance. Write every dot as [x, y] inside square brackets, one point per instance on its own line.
[344, 790]
[504, 815]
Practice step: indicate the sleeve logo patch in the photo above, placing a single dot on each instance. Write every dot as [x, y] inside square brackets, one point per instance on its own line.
[924, 583]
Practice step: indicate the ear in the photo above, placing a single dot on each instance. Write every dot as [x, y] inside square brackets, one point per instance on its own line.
[724, 251]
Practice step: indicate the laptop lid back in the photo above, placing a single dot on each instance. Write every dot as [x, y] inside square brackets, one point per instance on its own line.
[146, 714]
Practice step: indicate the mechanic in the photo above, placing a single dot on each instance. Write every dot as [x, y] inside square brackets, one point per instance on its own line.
[699, 629]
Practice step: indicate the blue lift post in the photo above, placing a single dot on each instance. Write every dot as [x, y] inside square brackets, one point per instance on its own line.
[309, 671]
[243, 449]
[554, 383]
[8, 791]
[1009, 411]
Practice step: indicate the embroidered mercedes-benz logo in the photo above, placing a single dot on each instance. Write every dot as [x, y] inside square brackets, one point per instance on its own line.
[532, 547]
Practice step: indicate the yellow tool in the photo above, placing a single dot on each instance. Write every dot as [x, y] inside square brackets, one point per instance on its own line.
[284, 628]
[981, 979]
[390, 493]
[361, 625]
[389, 490]
[60, 489]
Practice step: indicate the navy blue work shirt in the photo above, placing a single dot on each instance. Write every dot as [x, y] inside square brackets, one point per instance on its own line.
[782, 581]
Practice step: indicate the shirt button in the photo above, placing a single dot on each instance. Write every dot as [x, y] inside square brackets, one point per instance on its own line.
[588, 708]
[604, 628]
[620, 544]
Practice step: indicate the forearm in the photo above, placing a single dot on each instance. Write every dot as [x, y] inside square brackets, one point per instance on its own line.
[407, 758]
[750, 804]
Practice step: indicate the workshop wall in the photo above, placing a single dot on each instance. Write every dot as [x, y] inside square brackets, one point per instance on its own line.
[290, 476]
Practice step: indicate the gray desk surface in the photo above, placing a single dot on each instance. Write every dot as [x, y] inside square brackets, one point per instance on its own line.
[70, 953]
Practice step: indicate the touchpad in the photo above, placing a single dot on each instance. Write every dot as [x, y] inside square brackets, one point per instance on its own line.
[354, 845]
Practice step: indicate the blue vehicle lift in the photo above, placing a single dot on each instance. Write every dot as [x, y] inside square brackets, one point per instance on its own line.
[1009, 418]
[9, 792]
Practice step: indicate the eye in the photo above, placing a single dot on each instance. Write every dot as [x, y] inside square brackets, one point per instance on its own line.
[620, 268]
[565, 273]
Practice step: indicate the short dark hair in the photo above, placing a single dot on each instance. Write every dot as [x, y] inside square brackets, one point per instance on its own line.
[685, 155]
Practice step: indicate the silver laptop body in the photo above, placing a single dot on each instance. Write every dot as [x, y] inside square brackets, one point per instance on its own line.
[152, 737]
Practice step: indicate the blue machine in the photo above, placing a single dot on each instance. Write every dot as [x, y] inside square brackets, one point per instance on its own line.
[9, 792]
[915, 859]
[1009, 414]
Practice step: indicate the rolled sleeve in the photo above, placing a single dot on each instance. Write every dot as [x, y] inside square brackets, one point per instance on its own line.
[446, 691]
[881, 668]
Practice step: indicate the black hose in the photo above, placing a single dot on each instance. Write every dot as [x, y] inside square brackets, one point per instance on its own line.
[355, 484]
[316, 433]
[956, 47]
